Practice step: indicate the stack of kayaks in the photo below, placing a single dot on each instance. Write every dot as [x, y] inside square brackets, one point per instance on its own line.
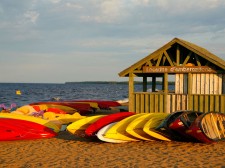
[43, 121]
[188, 126]
[82, 106]
[22, 125]
[118, 127]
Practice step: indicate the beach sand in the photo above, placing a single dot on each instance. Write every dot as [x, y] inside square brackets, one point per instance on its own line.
[66, 150]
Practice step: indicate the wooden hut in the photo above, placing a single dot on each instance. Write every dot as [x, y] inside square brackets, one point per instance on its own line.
[199, 80]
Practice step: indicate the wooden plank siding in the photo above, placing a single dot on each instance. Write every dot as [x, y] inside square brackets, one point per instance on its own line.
[201, 84]
[223, 84]
[155, 102]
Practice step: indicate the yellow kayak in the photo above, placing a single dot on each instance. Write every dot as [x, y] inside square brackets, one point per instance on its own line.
[26, 110]
[41, 121]
[79, 127]
[67, 109]
[135, 128]
[154, 122]
[63, 118]
[29, 109]
[118, 131]
[102, 131]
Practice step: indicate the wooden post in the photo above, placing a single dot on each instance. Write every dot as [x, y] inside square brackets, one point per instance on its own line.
[178, 55]
[144, 83]
[189, 92]
[165, 86]
[153, 84]
[131, 92]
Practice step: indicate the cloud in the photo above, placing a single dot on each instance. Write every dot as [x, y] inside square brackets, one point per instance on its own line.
[55, 1]
[31, 16]
[105, 11]
[73, 5]
[75, 35]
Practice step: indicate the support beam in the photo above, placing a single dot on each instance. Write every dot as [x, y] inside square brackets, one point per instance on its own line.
[144, 83]
[131, 92]
[168, 58]
[164, 60]
[159, 59]
[187, 58]
[197, 60]
[178, 55]
[165, 86]
[153, 84]
[165, 83]
[190, 80]
[149, 63]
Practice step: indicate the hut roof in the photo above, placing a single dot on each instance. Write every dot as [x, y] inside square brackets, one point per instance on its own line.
[190, 46]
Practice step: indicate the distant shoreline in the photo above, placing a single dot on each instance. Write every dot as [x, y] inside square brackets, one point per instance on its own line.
[116, 82]
[92, 82]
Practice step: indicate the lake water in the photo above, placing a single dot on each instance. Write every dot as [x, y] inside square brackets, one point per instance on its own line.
[31, 92]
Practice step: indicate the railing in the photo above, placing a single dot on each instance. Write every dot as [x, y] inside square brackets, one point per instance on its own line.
[167, 103]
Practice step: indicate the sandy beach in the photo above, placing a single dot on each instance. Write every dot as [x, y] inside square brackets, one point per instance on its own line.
[66, 150]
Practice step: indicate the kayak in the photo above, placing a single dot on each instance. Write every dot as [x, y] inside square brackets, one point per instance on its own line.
[208, 127]
[17, 129]
[97, 125]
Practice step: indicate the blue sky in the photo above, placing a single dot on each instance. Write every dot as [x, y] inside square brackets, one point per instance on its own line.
[54, 41]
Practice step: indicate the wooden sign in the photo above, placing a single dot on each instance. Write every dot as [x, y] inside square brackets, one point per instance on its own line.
[178, 69]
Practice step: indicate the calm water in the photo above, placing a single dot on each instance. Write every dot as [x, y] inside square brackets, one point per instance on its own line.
[46, 92]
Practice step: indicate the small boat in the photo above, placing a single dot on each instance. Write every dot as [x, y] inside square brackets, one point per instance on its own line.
[102, 104]
[37, 120]
[101, 134]
[97, 125]
[62, 118]
[69, 107]
[78, 128]
[165, 132]
[17, 129]
[153, 123]
[183, 122]
[118, 131]
[138, 127]
[208, 127]
[29, 109]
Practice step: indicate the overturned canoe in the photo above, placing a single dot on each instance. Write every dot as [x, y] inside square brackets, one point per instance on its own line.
[208, 127]
[17, 129]
[183, 122]
[164, 132]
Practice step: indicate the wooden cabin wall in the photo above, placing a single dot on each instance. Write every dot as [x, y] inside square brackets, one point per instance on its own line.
[181, 81]
[207, 83]
[223, 84]
[201, 83]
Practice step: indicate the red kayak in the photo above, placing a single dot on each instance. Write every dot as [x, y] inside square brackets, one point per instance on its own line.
[54, 110]
[102, 104]
[208, 127]
[164, 130]
[183, 122]
[16, 129]
[82, 108]
[92, 130]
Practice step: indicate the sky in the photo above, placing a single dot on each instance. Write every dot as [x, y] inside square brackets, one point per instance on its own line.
[57, 41]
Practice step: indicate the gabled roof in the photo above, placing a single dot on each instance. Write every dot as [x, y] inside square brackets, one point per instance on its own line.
[157, 56]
